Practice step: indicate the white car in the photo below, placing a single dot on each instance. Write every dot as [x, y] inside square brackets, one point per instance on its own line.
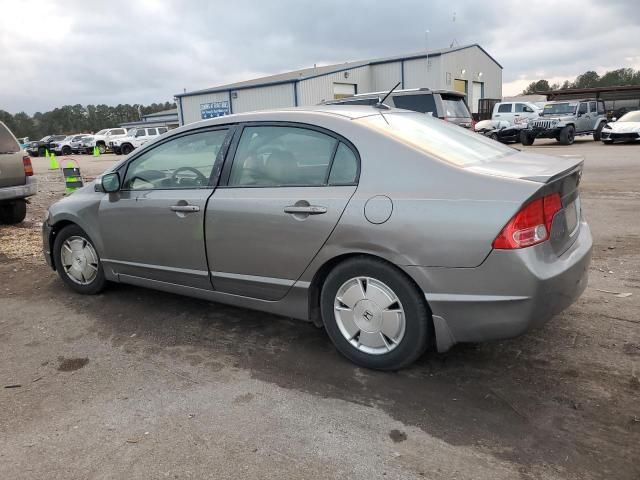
[625, 129]
[135, 138]
[516, 113]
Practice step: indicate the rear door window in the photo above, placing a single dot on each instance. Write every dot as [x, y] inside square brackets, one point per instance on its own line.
[505, 108]
[416, 103]
[583, 109]
[454, 107]
[151, 131]
[8, 143]
[273, 156]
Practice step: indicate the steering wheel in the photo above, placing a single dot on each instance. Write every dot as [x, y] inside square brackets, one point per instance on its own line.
[200, 178]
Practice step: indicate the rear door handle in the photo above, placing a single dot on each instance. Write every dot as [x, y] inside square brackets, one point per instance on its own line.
[185, 208]
[309, 210]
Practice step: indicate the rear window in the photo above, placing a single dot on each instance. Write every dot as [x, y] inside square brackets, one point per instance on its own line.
[417, 103]
[8, 143]
[504, 108]
[454, 107]
[443, 140]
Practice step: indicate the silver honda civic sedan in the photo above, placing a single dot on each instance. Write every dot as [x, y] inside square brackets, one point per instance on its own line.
[395, 231]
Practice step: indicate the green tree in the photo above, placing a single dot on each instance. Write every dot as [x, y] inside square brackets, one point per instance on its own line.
[539, 86]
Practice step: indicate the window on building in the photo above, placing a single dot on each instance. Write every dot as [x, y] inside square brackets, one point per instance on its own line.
[342, 90]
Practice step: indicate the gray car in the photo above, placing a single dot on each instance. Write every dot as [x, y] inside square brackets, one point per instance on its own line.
[395, 231]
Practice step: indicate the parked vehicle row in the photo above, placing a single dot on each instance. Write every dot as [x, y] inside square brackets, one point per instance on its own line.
[16, 178]
[394, 230]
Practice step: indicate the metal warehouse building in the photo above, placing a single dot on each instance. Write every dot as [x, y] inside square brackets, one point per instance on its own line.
[469, 69]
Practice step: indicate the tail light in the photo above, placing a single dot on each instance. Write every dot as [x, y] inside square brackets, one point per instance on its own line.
[531, 225]
[28, 168]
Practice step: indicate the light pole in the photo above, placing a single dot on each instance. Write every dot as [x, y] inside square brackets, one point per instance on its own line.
[426, 41]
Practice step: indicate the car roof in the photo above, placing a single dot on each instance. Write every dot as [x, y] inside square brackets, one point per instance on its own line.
[425, 91]
[305, 114]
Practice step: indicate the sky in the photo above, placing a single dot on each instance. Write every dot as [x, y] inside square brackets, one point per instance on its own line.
[57, 52]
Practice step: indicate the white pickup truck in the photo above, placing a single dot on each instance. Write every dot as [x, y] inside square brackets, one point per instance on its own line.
[16, 178]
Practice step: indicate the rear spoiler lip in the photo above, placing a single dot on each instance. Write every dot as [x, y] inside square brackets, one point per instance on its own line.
[565, 173]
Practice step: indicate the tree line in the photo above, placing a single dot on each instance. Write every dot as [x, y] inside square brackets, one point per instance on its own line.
[77, 119]
[589, 79]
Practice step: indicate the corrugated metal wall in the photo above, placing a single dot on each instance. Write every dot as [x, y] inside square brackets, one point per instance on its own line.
[315, 90]
[417, 75]
[385, 75]
[260, 98]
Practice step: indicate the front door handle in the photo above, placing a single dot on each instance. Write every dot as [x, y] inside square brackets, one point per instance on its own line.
[305, 210]
[185, 208]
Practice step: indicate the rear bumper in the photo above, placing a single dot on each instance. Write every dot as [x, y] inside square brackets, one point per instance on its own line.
[510, 293]
[20, 191]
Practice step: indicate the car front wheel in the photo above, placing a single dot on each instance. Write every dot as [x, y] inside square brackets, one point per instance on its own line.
[77, 261]
[567, 135]
[526, 138]
[597, 135]
[374, 315]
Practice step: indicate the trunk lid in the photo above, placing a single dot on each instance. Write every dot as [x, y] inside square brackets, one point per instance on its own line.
[11, 166]
[556, 175]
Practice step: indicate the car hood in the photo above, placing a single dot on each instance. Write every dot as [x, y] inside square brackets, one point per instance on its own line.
[625, 127]
[530, 166]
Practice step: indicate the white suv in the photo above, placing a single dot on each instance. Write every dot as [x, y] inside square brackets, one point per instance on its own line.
[135, 138]
[104, 137]
[516, 113]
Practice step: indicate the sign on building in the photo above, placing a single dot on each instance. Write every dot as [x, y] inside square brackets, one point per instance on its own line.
[214, 109]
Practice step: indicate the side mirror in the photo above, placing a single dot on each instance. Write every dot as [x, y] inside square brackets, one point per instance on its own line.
[108, 183]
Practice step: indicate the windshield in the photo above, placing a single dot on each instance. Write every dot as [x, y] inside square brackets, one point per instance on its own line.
[559, 109]
[102, 132]
[443, 140]
[455, 107]
[630, 117]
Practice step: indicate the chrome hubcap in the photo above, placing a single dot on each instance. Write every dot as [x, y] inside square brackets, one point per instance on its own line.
[79, 260]
[369, 315]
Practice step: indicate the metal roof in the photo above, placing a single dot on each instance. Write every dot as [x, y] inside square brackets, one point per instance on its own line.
[313, 72]
[172, 111]
[616, 92]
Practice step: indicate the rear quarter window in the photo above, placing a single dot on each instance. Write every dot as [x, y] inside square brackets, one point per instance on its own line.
[8, 143]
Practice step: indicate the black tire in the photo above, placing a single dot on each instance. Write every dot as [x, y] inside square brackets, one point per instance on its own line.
[494, 136]
[41, 152]
[526, 138]
[13, 212]
[607, 142]
[66, 151]
[102, 148]
[567, 135]
[597, 135]
[418, 326]
[98, 283]
[126, 149]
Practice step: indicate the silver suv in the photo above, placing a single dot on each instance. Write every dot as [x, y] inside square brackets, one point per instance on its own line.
[565, 120]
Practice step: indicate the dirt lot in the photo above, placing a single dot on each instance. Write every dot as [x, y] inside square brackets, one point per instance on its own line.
[140, 384]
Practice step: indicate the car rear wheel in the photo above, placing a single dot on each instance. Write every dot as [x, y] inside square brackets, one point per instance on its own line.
[374, 315]
[597, 135]
[13, 212]
[77, 261]
[567, 135]
[101, 148]
[126, 149]
[66, 151]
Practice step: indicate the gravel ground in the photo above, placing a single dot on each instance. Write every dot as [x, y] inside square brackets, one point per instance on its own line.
[135, 383]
